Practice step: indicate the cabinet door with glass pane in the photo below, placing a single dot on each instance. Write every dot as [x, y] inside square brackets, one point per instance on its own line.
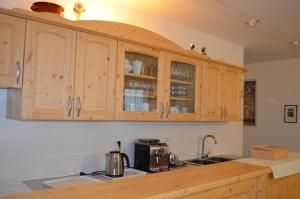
[139, 83]
[182, 88]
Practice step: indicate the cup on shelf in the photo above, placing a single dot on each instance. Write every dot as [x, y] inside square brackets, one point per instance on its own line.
[184, 109]
[146, 107]
[132, 107]
[174, 109]
[137, 66]
[128, 68]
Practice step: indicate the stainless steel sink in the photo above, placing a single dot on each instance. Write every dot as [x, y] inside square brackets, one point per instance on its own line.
[219, 159]
[209, 160]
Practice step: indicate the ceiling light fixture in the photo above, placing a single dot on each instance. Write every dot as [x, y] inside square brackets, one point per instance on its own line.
[295, 43]
[252, 22]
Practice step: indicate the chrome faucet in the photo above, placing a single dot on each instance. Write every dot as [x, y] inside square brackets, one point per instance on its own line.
[203, 155]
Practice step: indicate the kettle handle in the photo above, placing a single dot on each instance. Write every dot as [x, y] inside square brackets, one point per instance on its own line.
[127, 160]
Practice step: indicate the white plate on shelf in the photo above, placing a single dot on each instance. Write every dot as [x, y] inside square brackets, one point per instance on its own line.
[68, 181]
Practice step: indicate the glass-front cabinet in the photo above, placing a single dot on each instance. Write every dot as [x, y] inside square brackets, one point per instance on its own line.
[182, 98]
[153, 85]
[139, 83]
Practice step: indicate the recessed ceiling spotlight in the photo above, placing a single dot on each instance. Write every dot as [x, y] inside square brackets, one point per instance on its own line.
[295, 43]
[252, 22]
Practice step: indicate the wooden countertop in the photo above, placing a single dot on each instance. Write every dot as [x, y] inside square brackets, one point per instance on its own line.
[164, 185]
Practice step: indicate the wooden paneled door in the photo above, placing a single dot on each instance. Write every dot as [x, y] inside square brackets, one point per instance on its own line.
[211, 92]
[140, 79]
[12, 37]
[232, 94]
[182, 88]
[48, 72]
[94, 97]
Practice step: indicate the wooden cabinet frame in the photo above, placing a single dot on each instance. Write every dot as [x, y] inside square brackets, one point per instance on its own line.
[94, 95]
[22, 104]
[145, 116]
[221, 93]
[12, 38]
[182, 116]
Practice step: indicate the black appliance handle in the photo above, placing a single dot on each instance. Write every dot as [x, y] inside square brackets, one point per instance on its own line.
[127, 160]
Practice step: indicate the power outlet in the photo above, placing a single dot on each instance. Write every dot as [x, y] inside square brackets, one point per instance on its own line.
[166, 140]
[115, 144]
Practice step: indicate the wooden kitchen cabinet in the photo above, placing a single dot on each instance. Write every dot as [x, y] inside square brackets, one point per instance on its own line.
[48, 75]
[211, 92]
[232, 94]
[182, 88]
[116, 72]
[221, 93]
[167, 87]
[241, 190]
[49, 91]
[283, 188]
[94, 97]
[140, 79]
[12, 37]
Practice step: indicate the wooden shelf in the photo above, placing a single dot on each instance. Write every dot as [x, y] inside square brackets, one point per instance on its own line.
[182, 82]
[148, 97]
[140, 76]
[181, 99]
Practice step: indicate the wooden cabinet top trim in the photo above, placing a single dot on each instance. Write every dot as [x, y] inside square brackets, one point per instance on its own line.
[115, 30]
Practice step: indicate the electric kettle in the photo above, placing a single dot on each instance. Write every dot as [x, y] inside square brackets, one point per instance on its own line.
[115, 163]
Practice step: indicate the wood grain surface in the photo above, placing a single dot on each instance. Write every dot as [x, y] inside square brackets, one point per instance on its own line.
[173, 184]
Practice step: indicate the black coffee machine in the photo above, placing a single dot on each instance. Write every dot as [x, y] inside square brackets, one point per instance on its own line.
[150, 155]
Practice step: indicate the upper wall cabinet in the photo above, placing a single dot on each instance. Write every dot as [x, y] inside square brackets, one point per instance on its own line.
[12, 37]
[97, 70]
[221, 93]
[95, 77]
[140, 79]
[182, 88]
[232, 94]
[211, 92]
[49, 90]
[48, 72]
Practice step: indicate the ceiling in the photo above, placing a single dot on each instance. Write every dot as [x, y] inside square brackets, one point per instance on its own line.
[268, 40]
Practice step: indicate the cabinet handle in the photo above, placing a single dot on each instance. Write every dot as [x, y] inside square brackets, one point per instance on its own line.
[162, 110]
[225, 112]
[70, 105]
[167, 110]
[18, 72]
[221, 112]
[78, 106]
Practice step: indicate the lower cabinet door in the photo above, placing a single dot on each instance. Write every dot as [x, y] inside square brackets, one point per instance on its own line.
[241, 190]
[48, 72]
[94, 97]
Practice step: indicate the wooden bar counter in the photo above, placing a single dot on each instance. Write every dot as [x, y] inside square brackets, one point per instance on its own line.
[222, 180]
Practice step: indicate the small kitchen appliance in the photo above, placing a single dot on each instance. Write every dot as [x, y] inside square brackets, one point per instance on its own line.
[115, 163]
[150, 155]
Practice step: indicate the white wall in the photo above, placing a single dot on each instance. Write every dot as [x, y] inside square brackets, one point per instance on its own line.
[30, 150]
[278, 83]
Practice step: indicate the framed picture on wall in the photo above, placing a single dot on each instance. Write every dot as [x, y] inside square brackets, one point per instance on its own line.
[250, 102]
[290, 113]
